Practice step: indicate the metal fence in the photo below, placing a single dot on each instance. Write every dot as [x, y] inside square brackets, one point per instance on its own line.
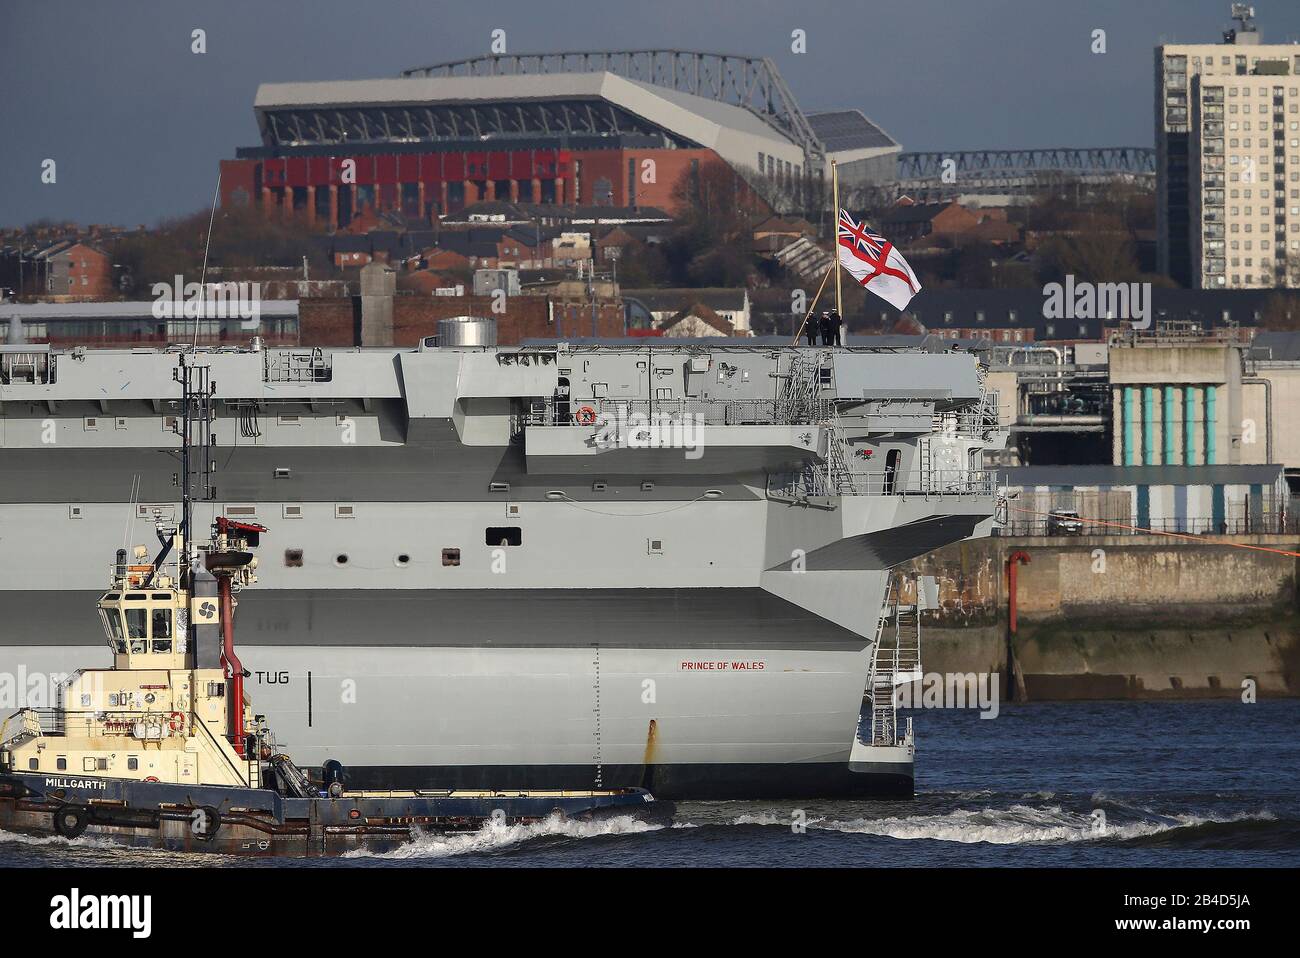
[1111, 512]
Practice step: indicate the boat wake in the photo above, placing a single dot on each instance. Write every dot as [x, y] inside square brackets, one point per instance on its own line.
[1021, 824]
[85, 841]
[494, 837]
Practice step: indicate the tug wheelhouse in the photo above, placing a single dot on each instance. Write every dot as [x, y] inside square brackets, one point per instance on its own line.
[143, 614]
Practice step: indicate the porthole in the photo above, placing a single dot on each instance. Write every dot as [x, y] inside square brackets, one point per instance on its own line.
[402, 559]
[341, 559]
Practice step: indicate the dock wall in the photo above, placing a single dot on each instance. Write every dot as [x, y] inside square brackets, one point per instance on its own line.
[1133, 616]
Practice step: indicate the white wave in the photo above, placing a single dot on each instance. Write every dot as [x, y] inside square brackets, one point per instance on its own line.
[765, 818]
[1023, 825]
[95, 842]
[494, 835]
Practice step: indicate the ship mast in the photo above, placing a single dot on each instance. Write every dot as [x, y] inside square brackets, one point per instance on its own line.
[196, 471]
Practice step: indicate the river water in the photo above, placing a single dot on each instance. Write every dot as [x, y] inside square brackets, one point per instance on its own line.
[1174, 784]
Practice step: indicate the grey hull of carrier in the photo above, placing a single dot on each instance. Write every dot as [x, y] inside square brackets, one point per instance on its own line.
[548, 566]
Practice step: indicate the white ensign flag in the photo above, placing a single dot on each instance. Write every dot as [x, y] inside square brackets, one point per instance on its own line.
[875, 264]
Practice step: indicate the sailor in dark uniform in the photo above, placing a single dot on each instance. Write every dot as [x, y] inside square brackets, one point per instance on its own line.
[831, 329]
[810, 329]
[824, 327]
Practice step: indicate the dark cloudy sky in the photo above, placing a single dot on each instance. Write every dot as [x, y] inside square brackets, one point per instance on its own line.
[137, 123]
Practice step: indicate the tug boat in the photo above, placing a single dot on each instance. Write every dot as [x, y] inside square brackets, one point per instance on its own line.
[164, 750]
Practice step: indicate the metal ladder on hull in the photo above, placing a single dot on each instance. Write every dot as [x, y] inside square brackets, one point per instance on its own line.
[897, 657]
[838, 477]
[925, 464]
[801, 400]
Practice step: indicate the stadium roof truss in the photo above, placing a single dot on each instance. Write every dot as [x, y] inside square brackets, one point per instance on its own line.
[309, 125]
[752, 83]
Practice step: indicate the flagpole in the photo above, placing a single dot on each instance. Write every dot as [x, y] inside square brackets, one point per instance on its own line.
[799, 332]
[835, 238]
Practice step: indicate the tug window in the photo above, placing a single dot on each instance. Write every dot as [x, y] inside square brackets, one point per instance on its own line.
[162, 630]
[113, 625]
[137, 628]
[503, 536]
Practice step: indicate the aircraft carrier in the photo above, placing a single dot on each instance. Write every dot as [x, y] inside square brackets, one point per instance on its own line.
[555, 565]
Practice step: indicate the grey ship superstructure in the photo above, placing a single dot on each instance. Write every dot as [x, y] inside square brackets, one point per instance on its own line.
[553, 565]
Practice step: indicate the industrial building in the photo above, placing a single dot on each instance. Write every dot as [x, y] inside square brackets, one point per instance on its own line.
[1169, 397]
[602, 129]
[1228, 160]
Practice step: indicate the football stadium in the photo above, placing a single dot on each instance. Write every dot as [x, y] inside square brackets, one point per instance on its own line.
[596, 128]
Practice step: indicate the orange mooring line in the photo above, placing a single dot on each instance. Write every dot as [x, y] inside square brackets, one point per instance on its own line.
[1173, 535]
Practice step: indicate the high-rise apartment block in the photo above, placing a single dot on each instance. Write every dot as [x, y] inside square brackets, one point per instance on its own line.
[1228, 160]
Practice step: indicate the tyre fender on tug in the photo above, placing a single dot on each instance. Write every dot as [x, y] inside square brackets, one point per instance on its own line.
[211, 822]
[71, 820]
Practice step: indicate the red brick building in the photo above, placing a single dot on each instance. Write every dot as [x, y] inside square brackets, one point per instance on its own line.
[77, 270]
[911, 222]
[330, 191]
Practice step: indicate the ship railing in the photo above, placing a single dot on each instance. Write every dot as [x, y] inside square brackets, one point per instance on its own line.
[48, 721]
[27, 365]
[974, 422]
[706, 412]
[818, 480]
[95, 724]
[953, 482]
[26, 724]
[296, 366]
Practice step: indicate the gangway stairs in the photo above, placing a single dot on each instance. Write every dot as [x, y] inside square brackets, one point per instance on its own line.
[897, 658]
